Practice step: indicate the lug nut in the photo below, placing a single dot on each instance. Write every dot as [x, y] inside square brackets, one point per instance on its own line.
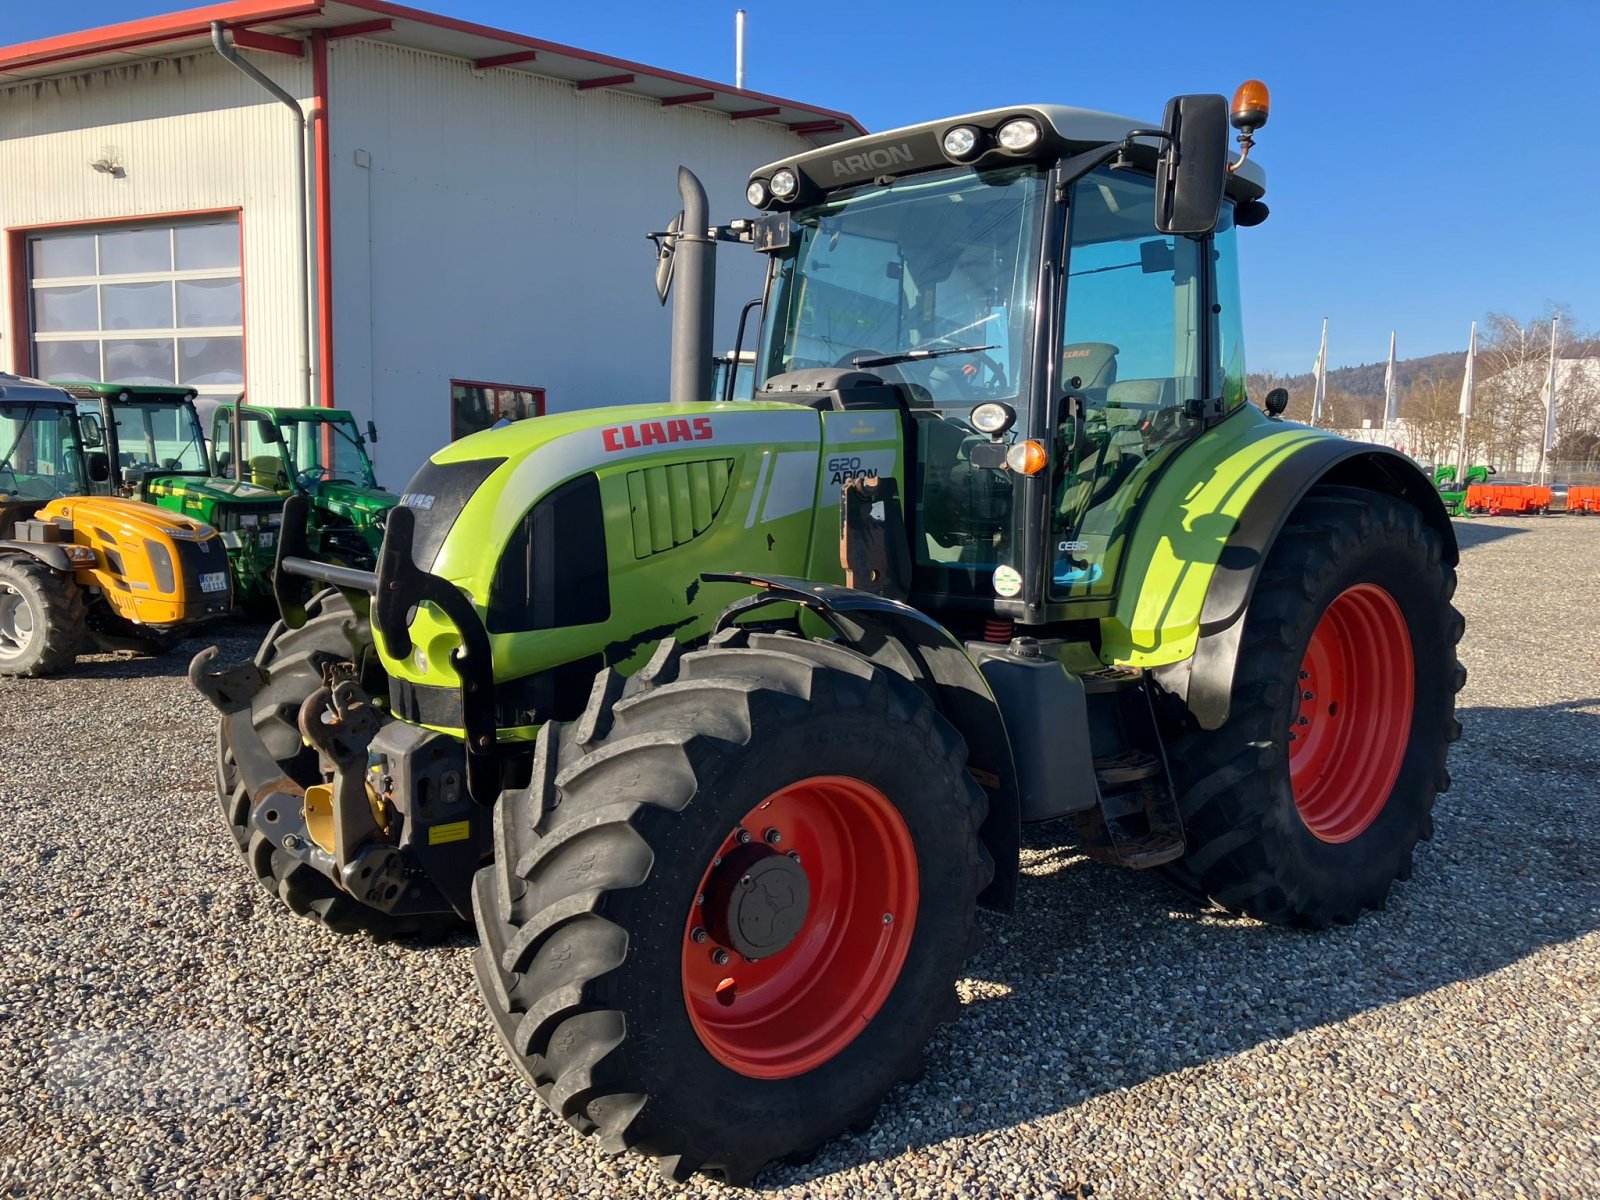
[773, 837]
[719, 956]
[746, 883]
[795, 854]
[699, 934]
[700, 899]
[1304, 721]
[1308, 695]
[743, 835]
[290, 842]
[888, 918]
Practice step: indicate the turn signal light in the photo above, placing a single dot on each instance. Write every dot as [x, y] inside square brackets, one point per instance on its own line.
[1250, 105]
[1027, 458]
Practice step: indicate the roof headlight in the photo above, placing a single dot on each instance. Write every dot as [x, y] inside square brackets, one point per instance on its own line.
[756, 193]
[785, 184]
[961, 141]
[1019, 135]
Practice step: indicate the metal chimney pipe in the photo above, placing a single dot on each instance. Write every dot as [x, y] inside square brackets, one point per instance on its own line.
[738, 49]
[694, 279]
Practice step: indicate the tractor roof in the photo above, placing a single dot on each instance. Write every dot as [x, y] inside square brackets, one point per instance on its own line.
[85, 390]
[16, 389]
[1078, 128]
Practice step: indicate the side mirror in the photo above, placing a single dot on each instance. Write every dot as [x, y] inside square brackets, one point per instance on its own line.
[99, 467]
[270, 432]
[1193, 165]
[664, 246]
[1277, 400]
[90, 431]
[372, 432]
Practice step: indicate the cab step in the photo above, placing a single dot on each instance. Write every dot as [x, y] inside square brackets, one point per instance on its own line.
[1136, 823]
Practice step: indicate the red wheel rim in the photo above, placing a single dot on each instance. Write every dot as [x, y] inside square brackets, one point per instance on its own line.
[793, 1010]
[1353, 723]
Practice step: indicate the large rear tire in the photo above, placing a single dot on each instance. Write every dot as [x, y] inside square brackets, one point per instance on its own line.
[41, 618]
[730, 907]
[1306, 805]
[294, 659]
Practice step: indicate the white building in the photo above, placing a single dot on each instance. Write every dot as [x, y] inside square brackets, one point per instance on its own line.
[476, 208]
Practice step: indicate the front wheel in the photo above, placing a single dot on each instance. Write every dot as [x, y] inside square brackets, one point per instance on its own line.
[41, 618]
[1306, 805]
[731, 906]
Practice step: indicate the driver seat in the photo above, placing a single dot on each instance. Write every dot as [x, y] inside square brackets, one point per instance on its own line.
[266, 470]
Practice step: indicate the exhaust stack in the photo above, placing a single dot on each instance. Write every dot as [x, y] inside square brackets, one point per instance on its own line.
[694, 271]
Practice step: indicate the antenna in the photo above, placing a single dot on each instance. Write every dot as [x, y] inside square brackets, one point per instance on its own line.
[738, 49]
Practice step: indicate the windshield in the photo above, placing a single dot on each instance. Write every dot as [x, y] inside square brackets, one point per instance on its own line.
[929, 282]
[159, 435]
[327, 449]
[40, 457]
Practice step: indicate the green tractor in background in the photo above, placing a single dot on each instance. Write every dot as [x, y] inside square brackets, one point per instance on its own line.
[318, 453]
[145, 443]
[1453, 494]
[721, 720]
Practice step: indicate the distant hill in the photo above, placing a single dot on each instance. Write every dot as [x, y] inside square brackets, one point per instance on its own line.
[1367, 379]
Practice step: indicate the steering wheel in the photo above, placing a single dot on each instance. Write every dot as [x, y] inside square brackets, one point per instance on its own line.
[310, 475]
[964, 371]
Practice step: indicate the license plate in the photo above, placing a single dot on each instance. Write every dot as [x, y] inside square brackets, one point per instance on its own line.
[214, 581]
[267, 539]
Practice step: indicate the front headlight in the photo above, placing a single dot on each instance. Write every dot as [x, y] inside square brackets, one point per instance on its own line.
[756, 193]
[961, 141]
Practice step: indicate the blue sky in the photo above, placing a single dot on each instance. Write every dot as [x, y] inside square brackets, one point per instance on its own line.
[1428, 162]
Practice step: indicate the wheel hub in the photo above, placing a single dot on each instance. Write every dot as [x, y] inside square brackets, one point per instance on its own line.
[756, 901]
[16, 622]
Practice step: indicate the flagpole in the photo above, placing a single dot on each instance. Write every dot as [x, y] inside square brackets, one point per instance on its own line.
[1549, 441]
[1391, 399]
[1466, 406]
[1319, 384]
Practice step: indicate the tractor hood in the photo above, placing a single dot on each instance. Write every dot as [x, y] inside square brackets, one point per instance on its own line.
[213, 489]
[581, 537]
[131, 518]
[357, 504]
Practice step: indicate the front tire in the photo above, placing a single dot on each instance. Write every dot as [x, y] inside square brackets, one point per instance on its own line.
[1306, 805]
[659, 965]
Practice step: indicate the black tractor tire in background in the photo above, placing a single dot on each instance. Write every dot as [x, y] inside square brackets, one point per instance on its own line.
[49, 606]
[1250, 846]
[585, 948]
[333, 632]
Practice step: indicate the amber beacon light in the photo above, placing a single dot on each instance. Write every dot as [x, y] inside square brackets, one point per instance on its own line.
[1248, 113]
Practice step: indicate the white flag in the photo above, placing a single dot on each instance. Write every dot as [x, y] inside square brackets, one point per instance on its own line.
[1550, 394]
[1391, 397]
[1466, 382]
[1320, 376]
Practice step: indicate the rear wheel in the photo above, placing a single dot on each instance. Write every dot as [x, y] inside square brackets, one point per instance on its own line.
[41, 618]
[294, 660]
[1306, 805]
[730, 907]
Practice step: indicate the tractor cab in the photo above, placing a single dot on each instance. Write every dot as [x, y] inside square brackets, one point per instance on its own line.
[41, 450]
[1055, 347]
[315, 452]
[145, 443]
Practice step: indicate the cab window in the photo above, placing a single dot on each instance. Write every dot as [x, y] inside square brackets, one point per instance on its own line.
[1131, 358]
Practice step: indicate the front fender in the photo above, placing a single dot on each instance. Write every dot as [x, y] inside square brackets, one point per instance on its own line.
[916, 646]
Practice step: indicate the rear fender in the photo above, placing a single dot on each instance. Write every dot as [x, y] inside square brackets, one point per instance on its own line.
[914, 645]
[1204, 681]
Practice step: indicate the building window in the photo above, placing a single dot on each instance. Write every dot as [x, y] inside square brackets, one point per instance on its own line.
[140, 304]
[476, 406]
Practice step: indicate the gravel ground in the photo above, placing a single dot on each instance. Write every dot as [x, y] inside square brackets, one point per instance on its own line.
[166, 1029]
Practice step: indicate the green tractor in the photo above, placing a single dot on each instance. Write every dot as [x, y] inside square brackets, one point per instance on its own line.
[722, 720]
[1453, 494]
[318, 453]
[145, 443]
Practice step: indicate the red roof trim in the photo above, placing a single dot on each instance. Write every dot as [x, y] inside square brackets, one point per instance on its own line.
[688, 98]
[132, 34]
[746, 114]
[196, 22]
[271, 43]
